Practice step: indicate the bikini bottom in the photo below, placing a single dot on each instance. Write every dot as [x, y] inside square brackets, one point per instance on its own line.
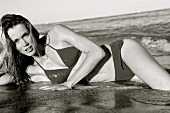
[122, 71]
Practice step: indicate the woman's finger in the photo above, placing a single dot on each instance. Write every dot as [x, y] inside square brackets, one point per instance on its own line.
[54, 88]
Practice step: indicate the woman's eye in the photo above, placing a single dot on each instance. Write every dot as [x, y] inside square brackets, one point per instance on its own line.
[26, 34]
[16, 40]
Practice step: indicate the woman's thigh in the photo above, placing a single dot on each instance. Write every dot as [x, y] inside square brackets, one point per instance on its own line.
[138, 59]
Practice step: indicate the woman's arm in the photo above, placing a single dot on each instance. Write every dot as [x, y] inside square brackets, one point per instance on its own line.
[6, 79]
[2, 57]
[93, 52]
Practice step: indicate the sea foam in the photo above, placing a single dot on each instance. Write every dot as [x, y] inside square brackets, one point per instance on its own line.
[156, 44]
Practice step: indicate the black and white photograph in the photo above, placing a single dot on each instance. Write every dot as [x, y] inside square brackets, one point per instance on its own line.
[84, 56]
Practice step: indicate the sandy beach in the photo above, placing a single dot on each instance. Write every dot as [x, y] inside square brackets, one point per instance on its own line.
[151, 29]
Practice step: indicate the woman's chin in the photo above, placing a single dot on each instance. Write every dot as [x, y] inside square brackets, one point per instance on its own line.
[32, 53]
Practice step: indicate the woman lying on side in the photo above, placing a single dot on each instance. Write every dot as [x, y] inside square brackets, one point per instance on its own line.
[66, 58]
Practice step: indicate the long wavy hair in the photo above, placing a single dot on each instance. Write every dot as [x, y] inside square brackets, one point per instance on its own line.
[17, 62]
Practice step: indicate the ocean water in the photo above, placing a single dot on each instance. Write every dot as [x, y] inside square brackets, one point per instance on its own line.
[152, 29]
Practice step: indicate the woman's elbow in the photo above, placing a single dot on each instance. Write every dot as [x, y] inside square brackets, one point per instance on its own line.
[100, 53]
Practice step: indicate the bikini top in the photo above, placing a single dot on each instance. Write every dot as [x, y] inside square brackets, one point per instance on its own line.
[69, 57]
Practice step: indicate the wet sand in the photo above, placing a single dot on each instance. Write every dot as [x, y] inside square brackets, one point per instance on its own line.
[123, 97]
[126, 97]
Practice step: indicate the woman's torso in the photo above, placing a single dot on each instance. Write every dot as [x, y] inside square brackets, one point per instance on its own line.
[67, 58]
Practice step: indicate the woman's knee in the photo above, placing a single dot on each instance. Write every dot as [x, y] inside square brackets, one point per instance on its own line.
[132, 50]
[130, 43]
[130, 46]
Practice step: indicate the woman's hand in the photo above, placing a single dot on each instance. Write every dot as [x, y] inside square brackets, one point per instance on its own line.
[62, 86]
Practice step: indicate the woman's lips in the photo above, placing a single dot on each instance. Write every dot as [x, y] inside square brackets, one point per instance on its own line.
[29, 49]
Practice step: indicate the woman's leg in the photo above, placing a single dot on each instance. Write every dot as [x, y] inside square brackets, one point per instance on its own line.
[144, 65]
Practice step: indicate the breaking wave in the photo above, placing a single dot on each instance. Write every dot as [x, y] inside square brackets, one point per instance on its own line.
[158, 44]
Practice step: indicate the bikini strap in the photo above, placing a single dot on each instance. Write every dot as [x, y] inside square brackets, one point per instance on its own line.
[48, 44]
[51, 47]
[39, 64]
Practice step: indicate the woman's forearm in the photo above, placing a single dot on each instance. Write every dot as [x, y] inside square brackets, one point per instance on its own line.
[90, 62]
[6, 79]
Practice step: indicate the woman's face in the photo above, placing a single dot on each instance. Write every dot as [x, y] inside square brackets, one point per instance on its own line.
[24, 40]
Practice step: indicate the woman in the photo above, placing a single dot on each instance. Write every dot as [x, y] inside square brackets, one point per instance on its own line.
[66, 58]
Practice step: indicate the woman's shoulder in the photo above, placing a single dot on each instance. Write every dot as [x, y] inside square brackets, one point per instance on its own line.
[61, 31]
[59, 28]
[56, 32]
[57, 35]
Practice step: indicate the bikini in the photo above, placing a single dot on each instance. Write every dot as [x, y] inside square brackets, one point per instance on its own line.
[122, 71]
[71, 55]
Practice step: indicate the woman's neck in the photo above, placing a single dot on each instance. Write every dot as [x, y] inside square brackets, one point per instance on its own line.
[40, 50]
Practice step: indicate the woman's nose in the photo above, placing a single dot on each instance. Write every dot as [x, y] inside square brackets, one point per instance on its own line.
[25, 43]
